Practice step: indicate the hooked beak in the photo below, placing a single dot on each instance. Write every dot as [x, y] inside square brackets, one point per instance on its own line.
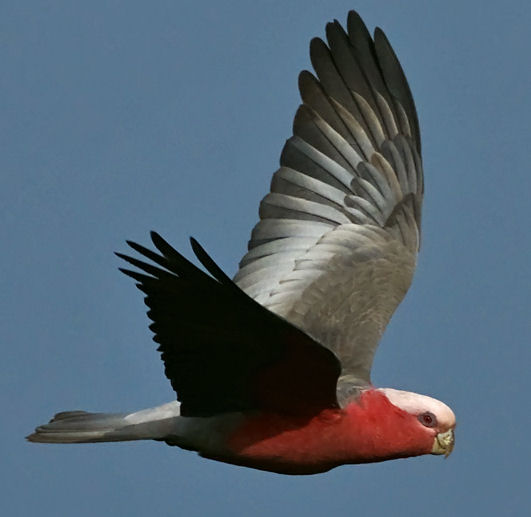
[444, 443]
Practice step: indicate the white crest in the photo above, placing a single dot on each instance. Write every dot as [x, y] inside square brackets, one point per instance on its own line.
[416, 404]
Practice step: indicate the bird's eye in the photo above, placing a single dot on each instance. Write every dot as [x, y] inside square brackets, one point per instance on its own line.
[428, 419]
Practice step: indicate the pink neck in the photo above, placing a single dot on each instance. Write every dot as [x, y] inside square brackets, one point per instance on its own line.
[379, 430]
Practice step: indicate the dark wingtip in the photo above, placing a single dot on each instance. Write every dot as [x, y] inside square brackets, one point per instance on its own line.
[209, 263]
[356, 26]
[156, 238]
[305, 78]
[331, 29]
[164, 247]
[198, 249]
[379, 34]
[330, 25]
[316, 42]
[354, 17]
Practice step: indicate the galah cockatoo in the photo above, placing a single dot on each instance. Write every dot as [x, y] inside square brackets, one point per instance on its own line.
[272, 369]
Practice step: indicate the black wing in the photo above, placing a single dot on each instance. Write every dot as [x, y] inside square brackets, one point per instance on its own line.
[223, 351]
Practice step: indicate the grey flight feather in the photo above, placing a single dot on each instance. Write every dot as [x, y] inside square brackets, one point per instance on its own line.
[335, 248]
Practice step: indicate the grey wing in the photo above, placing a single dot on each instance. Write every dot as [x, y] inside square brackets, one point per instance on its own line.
[335, 248]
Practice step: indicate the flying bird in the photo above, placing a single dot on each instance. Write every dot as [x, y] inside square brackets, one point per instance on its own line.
[272, 368]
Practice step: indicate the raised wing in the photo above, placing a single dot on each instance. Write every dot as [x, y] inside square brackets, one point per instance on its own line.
[335, 249]
[223, 351]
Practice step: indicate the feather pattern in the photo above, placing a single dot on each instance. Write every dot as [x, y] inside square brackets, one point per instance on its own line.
[335, 249]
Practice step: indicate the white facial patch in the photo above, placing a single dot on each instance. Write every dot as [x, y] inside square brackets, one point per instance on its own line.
[416, 404]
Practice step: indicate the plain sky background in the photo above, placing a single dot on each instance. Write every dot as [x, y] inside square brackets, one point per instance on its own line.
[118, 117]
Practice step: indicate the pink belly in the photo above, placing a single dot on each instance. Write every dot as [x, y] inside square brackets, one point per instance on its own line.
[290, 445]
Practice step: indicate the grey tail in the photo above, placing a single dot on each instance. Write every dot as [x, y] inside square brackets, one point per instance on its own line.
[83, 427]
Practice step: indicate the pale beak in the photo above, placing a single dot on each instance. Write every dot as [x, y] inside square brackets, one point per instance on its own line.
[444, 443]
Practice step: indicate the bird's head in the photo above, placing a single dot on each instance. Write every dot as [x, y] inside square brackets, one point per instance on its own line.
[433, 416]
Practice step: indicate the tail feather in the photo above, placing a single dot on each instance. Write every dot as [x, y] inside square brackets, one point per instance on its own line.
[83, 427]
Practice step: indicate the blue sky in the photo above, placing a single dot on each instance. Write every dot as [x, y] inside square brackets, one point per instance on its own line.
[119, 117]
